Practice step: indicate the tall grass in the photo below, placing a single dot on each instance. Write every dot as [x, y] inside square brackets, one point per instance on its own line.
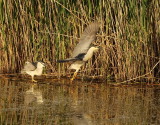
[49, 30]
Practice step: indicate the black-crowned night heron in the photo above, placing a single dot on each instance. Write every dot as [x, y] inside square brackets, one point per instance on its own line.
[33, 68]
[83, 51]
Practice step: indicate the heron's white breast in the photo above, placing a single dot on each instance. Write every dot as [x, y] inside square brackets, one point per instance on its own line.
[76, 65]
[89, 54]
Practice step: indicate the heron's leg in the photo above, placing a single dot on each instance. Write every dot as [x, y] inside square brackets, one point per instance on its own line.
[33, 79]
[74, 76]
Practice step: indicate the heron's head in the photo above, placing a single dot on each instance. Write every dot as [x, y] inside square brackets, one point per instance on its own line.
[40, 65]
[94, 48]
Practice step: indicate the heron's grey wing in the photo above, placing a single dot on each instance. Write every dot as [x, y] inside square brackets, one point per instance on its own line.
[30, 66]
[88, 36]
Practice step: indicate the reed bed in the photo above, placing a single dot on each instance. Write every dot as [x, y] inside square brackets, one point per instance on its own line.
[49, 30]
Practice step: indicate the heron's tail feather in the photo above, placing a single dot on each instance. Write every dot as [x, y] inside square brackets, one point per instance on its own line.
[67, 60]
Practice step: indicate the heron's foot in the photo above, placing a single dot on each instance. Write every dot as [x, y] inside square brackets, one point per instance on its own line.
[72, 79]
[45, 74]
[74, 76]
[34, 80]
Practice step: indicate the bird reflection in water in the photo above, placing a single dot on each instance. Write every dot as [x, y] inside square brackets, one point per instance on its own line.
[33, 95]
[82, 119]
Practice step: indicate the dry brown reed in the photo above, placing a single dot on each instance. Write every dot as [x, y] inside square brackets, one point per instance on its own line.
[48, 30]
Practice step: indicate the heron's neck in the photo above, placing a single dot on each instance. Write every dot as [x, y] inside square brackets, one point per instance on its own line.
[88, 55]
[39, 71]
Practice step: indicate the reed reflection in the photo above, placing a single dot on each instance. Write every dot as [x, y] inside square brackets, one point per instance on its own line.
[78, 103]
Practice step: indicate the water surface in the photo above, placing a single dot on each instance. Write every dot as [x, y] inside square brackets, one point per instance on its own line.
[57, 102]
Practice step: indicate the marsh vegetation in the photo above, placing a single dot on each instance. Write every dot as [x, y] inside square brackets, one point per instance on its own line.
[48, 30]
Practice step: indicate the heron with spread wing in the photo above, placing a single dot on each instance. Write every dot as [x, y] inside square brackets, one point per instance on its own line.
[83, 51]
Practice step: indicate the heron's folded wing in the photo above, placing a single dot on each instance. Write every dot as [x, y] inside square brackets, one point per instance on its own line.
[30, 66]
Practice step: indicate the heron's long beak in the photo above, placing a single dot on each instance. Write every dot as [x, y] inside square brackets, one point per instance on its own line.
[44, 64]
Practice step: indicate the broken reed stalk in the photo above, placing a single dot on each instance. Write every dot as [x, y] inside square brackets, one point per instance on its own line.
[141, 75]
[47, 30]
